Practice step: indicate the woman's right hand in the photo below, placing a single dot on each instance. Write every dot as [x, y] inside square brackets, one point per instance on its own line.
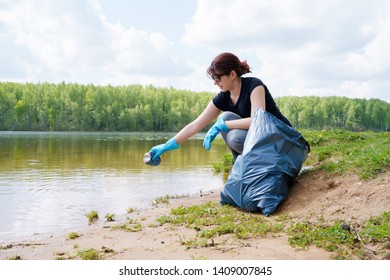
[162, 148]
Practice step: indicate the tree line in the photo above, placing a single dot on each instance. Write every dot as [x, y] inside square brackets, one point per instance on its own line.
[76, 107]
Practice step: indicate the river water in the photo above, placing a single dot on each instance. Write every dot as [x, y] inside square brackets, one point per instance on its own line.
[49, 180]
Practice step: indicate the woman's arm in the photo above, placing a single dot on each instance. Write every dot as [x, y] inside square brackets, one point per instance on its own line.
[257, 101]
[208, 114]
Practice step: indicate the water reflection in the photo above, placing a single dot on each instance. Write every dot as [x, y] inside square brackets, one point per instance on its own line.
[48, 181]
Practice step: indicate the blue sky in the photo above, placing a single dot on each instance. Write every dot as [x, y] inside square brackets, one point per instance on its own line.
[297, 47]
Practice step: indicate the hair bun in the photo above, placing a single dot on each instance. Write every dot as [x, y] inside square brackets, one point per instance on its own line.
[245, 67]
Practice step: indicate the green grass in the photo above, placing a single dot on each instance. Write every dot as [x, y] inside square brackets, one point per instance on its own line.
[377, 229]
[14, 258]
[89, 254]
[340, 152]
[73, 235]
[110, 217]
[131, 225]
[212, 220]
[92, 216]
[225, 165]
[343, 152]
[131, 210]
[332, 238]
[164, 199]
[85, 254]
[345, 242]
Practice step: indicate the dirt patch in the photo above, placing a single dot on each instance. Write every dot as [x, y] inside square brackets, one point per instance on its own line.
[338, 198]
[314, 193]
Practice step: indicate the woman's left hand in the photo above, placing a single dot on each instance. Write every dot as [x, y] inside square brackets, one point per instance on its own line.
[213, 132]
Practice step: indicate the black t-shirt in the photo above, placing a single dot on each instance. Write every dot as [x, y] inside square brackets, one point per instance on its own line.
[243, 106]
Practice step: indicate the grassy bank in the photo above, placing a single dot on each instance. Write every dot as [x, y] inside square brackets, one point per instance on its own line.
[340, 152]
[211, 220]
[343, 152]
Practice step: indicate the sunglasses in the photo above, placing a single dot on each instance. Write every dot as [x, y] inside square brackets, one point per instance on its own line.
[217, 78]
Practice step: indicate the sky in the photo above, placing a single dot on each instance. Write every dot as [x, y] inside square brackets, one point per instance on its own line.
[296, 47]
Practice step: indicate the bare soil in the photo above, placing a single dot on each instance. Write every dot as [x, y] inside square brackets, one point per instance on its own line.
[313, 194]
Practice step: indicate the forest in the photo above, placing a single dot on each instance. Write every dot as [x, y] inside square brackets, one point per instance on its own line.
[76, 107]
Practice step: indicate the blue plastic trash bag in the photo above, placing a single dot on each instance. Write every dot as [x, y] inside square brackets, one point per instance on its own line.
[272, 157]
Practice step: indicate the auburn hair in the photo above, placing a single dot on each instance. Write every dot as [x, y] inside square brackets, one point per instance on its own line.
[225, 63]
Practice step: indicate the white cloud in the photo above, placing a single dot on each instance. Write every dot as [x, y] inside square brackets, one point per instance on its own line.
[304, 47]
[74, 41]
[373, 60]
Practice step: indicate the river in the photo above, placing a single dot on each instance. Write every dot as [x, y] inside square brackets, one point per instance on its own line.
[49, 180]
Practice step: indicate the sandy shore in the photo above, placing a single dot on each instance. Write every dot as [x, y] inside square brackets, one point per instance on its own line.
[161, 242]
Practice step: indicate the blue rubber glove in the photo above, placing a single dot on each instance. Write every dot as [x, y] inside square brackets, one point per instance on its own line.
[213, 132]
[162, 148]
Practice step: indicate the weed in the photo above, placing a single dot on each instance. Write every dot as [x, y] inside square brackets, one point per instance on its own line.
[164, 199]
[225, 166]
[283, 218]
[110, 217]
[328, 237]
[161, 199]
[340, 239]
[131, 210]
[60, 255]
[377, 229]
[14, 258]
[153, 225]
[131, 226]
[73, 235]
[164, 219]
[376, 232]
[89, 254]
[107, 250]
[193, 257]
[5, 247]
[194, 242]
[92, 216]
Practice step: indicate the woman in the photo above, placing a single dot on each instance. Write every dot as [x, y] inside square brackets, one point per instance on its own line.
[238, 100]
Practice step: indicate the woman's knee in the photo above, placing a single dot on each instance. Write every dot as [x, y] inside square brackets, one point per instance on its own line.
[227, 116]
[235, 139]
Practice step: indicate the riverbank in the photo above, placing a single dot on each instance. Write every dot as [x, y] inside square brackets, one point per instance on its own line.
[152, 242]
[139, 236]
